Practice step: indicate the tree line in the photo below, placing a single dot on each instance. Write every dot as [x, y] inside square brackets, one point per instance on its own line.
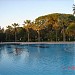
[51, 27]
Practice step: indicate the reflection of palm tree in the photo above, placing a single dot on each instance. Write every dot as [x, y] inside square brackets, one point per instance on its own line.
[18, 51]
[15, 25]
[38, 48]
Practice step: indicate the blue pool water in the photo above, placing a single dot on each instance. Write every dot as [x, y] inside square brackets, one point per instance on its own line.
[37, 59]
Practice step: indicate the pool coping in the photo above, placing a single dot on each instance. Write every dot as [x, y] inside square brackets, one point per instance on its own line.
[37, 42]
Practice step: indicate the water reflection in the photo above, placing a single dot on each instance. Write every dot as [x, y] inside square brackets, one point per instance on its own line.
[18, 51]
[15, 52]
[69, 48]
[37, 59]
[0, 54]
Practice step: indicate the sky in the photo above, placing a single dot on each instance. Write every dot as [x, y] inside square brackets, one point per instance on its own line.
[17, 11]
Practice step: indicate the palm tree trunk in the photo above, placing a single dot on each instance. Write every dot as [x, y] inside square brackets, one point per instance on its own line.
[56, 35]
[6, 36]
[64, 35]
[28, 35]
[15, 35]
[38, 35]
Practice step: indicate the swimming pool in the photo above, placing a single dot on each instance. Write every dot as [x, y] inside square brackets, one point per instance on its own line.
[37, 59]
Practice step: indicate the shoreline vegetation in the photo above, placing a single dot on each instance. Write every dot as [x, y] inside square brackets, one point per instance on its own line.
[54, 27]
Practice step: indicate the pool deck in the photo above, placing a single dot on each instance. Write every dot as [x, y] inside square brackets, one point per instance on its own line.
[37, 42]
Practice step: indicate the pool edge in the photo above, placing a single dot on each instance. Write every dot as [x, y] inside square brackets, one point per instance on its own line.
[37, 42]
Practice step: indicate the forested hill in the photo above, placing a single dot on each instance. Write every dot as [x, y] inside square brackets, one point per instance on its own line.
[51, 27]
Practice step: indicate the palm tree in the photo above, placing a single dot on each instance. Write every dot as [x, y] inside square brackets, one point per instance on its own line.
[71, 30]
[15, 25]
[63, 21]
[8, 31]
[27, 25]
[2, 35]
[39, 25]
[56, 28]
